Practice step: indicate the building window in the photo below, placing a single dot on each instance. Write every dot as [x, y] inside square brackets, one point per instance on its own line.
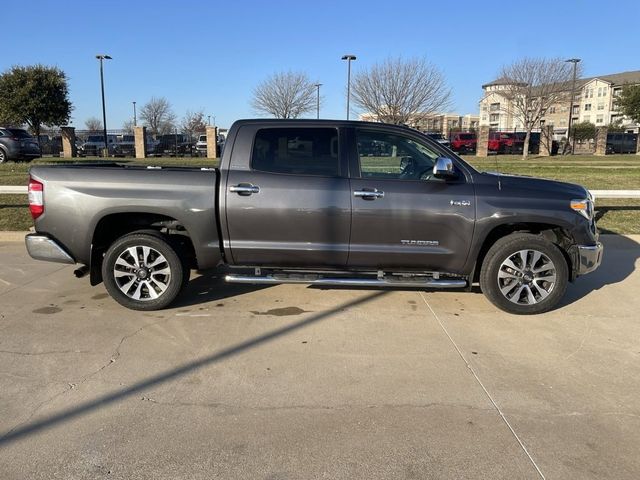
[600, 91]
[600, 105]
[552, 110]
[494, 107]
[587, 107]
[604, 91]
[576, 109]
[494, 117]
[599, 118]
[586, 118]
[484, 117]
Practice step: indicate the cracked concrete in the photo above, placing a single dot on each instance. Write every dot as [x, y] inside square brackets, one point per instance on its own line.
[372, 390]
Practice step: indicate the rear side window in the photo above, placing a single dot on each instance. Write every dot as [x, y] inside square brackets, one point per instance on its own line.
[19, 133]
[299, 151]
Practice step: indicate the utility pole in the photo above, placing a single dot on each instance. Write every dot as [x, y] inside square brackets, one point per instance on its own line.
[318, 85]
[575, 62]
[102, 57]
[348, 58]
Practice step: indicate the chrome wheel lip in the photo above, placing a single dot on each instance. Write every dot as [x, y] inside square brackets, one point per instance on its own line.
[526, 277]
[142, 273]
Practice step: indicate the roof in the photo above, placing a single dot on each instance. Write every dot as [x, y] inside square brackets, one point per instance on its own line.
[613, 78]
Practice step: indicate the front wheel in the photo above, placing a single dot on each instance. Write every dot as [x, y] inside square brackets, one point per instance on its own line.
[524, 274]
[3, 156]
[143, 272]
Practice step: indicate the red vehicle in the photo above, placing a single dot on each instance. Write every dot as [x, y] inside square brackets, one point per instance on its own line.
[464, 142]
[505, 142]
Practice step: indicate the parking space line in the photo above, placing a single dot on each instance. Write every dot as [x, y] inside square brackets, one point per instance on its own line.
[475, 375]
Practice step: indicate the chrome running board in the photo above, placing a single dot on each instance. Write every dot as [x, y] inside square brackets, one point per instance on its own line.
[386, 281]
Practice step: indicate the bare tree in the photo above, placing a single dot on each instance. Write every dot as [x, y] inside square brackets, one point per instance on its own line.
[93, 124]
[285, 95]
[158, 115]
[193, 122]
[531, 86]
[127, 126]
[401, 91]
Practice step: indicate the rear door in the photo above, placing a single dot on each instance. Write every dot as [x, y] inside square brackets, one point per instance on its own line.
[402, 216]
[288, 201]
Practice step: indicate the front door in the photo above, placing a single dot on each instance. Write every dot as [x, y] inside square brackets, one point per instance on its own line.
[403, 217]
[287, 199]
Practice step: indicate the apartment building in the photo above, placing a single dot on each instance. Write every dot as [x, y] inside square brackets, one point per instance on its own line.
[443, 123]
[594, 102]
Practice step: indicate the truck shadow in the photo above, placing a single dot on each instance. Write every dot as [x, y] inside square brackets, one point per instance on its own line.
[104, 401]
[618, 263]
[210, 287]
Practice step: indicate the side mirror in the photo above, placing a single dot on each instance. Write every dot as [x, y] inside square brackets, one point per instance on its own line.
[444, 168]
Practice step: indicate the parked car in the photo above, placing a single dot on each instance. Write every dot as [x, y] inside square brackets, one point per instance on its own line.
[505, 142]
[440, 138]
[17, 144]
[464, 142]
[125, 146]
[94, 145]
[622, 142]
[173, 145]
[299, 201]
[201, 146]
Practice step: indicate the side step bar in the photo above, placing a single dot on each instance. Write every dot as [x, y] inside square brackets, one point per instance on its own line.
[349, 282]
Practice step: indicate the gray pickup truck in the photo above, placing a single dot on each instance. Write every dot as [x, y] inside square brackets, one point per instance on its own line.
[317, 202]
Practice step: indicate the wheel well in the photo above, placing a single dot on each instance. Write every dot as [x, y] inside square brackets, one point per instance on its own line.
[555, 234]
[111, 227]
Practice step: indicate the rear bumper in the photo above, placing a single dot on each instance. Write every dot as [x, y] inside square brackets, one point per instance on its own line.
[41, 247]
[589, 258]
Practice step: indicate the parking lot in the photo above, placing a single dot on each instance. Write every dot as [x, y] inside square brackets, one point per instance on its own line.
[292, 382]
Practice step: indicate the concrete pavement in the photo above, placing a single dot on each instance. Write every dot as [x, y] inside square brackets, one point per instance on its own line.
[296, 382]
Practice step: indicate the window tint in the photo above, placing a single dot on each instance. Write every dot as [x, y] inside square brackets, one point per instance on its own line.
[300, 151]
[384, 155]
[19, 133]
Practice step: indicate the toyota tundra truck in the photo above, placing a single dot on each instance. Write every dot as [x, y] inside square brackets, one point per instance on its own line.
[318, 202]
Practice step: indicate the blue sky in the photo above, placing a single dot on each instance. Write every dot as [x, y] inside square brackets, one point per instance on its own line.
[210, 55]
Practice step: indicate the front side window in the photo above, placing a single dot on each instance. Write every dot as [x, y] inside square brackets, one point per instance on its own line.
[391, 156]
[299, 151]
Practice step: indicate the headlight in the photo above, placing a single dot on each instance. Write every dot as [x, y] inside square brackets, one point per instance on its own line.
[584, 207]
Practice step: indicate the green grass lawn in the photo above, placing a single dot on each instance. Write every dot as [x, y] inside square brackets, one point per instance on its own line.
[597, 173]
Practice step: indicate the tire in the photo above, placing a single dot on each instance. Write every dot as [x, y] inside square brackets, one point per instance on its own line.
[3, 156]
[142, 271]
[524, 274]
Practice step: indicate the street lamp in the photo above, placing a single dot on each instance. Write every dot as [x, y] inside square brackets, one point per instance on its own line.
[575, 62]
[348, 58]
[135, 117]
[208, 119]
[102, 57]
[318, 85]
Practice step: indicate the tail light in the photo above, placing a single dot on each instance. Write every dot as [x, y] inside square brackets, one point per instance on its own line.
[36, 198]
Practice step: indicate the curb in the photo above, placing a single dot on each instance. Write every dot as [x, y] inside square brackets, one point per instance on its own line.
[12, 236]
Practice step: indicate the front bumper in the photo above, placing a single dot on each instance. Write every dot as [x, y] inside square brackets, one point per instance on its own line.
[589, 258]
[41, 247]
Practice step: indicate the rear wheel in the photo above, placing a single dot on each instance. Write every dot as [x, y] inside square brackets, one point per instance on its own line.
[3, 156]
[524, 274]
[143, 272]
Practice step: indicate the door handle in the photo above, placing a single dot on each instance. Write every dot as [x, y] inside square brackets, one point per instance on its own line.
[244, 189]
[369, 194]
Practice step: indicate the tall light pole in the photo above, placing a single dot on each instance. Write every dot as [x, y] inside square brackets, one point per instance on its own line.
[575, 62]
[348, 58]
[102, 57]
[135, 116]
[208, 119]
[318, 85]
